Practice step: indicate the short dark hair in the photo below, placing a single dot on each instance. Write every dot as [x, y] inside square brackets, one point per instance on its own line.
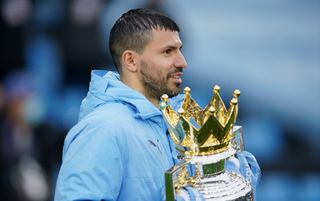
[133, 31]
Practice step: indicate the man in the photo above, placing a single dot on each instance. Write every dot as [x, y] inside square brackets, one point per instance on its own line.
[119, 150]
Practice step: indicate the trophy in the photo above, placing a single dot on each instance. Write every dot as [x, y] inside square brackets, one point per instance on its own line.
[205, 139]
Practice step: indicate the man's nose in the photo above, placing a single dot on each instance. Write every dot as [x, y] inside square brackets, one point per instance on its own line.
[180, 61]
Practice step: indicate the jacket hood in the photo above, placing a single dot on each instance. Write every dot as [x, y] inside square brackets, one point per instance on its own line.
[105, 86]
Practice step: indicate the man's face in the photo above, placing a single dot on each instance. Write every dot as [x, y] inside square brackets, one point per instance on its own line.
[162, 64]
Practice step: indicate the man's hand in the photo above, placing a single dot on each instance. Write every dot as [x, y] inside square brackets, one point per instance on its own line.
[245, 164]
[188, 193]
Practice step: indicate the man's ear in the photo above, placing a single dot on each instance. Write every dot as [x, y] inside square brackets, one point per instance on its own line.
[130, 60]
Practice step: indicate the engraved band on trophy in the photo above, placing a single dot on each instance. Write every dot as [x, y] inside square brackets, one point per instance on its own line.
[205, 139]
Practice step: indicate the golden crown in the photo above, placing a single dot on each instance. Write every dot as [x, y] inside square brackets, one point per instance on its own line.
[197, 131]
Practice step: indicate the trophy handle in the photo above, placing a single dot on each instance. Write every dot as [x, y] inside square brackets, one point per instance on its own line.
[237, 140]
[175, 178]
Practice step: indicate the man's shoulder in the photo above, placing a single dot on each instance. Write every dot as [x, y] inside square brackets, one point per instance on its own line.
[101, 123]
[112, 108]
[108, 114]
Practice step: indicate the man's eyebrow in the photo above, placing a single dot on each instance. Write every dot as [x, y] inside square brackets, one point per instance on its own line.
[173, 46]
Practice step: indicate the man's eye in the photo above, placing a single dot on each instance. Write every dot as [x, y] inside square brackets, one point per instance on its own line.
[168, 51]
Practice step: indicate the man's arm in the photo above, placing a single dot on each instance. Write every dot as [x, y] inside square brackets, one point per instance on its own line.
[92, 165]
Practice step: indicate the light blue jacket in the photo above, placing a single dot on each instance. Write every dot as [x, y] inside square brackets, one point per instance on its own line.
[119, 149]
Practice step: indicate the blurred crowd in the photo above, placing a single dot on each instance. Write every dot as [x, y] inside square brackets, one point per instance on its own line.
[29, 147]
[49, 47]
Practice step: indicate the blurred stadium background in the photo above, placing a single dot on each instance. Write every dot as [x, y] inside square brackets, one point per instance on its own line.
[270, 50]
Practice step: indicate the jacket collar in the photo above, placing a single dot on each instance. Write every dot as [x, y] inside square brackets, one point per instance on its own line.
[106, 86]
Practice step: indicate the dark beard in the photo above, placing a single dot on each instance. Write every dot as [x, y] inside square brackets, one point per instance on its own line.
[157, 86]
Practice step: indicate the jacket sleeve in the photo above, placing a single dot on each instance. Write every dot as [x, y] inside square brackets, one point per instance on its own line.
[92, 167]
[246, 164]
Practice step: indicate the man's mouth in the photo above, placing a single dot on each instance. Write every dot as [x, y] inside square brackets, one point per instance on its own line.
[177, 77]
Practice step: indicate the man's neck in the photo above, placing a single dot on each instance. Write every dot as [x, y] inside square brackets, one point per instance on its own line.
[153, 100]
[137, 87]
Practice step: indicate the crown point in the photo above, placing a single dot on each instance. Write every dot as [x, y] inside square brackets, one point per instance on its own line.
[212, 109]
[236, 93]
[234, 101]
[180, 110]
[216, 89]
[162, 105]
[164, 97]
[187, 90]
